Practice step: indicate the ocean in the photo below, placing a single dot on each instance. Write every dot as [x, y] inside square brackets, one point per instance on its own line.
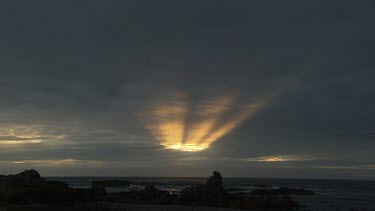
[331, 194]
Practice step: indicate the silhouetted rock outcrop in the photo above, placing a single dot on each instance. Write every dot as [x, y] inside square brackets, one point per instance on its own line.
[33, 174]
[211, 194]
[215, 184]
[149, 195]
[110, 184]
[281, 191]
[58, 184]
[29, 187]
[25, 178]
[214, 194]
[294, 191]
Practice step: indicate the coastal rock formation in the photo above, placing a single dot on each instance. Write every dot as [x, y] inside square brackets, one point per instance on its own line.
[211, 194]
[281, 191]
[58, 184]
[32, 174]
[110, 184]
[215, 184]
[149, 195]
[214, 194]
[25, 178]
[29, 188]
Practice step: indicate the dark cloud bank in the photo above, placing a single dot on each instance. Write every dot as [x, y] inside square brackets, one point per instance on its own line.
[75, 74]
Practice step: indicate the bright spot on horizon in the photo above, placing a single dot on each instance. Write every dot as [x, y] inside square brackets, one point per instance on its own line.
[178, 125]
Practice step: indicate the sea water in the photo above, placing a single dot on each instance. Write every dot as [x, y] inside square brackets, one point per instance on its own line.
[331, 194]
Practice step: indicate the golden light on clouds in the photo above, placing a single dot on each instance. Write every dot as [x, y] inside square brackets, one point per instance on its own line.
[274, 159]
[53, 162]
[181, 125]
[12, 142]
[280, 158]
[20, 135]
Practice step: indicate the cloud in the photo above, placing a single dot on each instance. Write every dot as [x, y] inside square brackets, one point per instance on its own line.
[274, 158]
[280, 158]
[75, 77]
[23, 134]
[54, 162]
[182, 125]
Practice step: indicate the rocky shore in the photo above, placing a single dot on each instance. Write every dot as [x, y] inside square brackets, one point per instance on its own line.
[29, 189]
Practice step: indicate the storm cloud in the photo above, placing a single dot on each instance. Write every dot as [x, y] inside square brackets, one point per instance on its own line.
[77, 75]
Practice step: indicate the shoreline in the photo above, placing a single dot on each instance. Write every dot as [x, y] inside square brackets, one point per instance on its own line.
[115, 207]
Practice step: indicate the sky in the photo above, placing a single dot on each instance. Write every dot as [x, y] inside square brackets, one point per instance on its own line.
[280, 89]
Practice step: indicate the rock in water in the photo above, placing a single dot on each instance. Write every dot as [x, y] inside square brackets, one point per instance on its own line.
[31, 177]
[58, 184]
[30, 174]
[29, 187]
[25, 178]
[211, 194]
[110, 184]
[215, 183]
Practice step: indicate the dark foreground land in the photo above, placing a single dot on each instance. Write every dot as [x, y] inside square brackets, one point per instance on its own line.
[29, 191]
[114, 207]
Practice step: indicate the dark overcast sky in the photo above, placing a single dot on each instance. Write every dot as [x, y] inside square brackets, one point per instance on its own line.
[75, 75]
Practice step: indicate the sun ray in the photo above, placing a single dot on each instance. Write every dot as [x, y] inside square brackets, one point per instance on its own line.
[207, 116]
[245, 113]
[168, 122]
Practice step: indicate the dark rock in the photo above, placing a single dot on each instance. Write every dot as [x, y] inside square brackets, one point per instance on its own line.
[193, 195]
[166, 198]
[98, 191]
[262, 192]
[149, 195]
[110, 184]
[58, 184]
[17, 198]
[28, 187]
[215, 183]
[272, 203]
[29, 174]
[258, 185]
[281, 191]
[211, 194]
[294, 191]
[25, 178]
[234, 189]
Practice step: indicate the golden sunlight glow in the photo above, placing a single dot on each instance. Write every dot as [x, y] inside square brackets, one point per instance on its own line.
[54, 162]
[273, 159]
[14, 135]
[178, 125]
[281, 158]
[187, 147]
[29, 141]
